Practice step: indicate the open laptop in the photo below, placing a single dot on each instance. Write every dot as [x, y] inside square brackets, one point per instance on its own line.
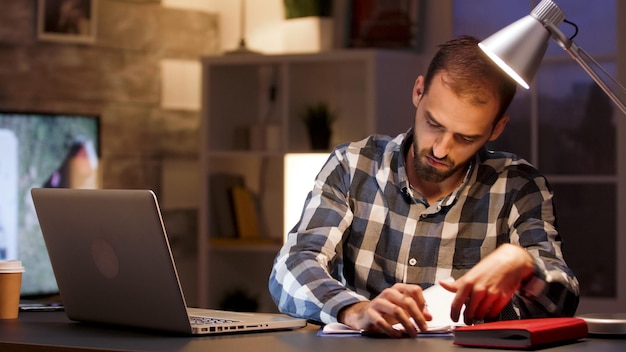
[113, 264]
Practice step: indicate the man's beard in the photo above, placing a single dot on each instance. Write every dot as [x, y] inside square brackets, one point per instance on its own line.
[429, 173]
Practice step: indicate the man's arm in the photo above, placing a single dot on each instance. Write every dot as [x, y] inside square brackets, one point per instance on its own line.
[530, 270]
[301, 283]
[552, 290]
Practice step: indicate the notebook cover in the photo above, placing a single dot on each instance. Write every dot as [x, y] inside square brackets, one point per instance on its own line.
[521, 334]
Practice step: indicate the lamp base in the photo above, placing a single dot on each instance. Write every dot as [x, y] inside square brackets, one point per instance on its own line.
[242, 49]
[605, 323]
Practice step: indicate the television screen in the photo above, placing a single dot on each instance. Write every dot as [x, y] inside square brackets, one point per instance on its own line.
[40, 150]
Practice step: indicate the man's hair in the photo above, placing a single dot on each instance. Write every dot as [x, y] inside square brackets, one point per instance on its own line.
[471, 74]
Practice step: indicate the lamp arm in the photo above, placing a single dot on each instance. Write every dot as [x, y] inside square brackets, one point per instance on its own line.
[609, 85]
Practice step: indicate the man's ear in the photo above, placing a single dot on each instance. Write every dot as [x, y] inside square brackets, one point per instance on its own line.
[418, 90]
[499, 128]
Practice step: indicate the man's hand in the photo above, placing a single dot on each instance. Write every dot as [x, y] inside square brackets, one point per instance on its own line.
[397, 304]
[489, 286]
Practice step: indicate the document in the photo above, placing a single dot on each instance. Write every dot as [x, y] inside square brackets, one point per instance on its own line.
[439, 301]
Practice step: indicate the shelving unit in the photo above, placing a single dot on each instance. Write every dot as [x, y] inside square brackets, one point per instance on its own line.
[251, 119]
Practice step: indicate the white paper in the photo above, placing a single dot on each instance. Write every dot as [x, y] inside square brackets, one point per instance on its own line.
[439, 301]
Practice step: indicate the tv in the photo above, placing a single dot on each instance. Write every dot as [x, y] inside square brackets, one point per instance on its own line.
[41, 150]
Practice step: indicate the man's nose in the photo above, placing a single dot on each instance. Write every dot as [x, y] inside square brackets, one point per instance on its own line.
[442, 146]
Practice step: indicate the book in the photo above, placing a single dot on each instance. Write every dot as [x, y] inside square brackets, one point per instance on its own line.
[222, 218]
[521, 334]
[245, 210]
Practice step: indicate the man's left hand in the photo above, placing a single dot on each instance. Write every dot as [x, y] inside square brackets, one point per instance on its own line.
[489, 286]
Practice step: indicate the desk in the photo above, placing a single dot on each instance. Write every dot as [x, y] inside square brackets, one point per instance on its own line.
[53, 332]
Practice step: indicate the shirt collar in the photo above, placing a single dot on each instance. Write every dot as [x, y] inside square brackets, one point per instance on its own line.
[403, 179]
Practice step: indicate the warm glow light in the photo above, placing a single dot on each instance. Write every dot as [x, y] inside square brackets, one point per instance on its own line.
[511, 72]
[300, 171]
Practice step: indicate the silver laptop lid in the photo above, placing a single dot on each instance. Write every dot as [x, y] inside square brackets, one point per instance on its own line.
[111, 257]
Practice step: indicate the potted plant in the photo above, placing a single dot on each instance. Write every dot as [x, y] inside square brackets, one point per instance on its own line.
[318, 119]
[306, 8]
[308, 25]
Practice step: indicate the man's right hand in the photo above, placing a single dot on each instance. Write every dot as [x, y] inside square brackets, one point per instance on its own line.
[397, 304]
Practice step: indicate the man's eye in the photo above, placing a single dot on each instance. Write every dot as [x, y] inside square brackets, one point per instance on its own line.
[467, 140]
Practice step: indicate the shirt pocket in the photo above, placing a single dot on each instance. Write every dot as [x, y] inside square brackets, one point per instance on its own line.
[465, 258]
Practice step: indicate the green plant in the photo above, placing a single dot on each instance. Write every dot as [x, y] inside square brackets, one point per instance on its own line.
[306, 8]
[318, 115]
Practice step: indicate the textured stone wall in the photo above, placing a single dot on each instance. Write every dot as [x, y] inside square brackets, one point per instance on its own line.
[116, 77]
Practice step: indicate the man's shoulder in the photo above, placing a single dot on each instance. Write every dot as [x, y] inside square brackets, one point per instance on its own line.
[375, 145]
[506, 162]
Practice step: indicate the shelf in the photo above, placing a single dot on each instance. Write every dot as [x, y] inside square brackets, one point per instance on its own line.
[247, 244]
[244, 153]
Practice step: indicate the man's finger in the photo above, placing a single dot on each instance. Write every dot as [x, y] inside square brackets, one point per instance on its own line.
[462, 295]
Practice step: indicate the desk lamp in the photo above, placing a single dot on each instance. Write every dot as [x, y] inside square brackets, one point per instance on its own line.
[518, 49]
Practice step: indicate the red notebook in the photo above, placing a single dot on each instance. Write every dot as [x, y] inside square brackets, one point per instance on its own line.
[521, 334]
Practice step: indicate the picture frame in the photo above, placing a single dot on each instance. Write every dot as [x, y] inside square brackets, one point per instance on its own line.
[391, 24]
[67, 20]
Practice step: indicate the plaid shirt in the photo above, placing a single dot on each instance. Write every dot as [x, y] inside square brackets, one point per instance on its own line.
[364, 229]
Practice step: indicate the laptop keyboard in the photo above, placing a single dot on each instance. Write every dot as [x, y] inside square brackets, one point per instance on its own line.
[198, 320]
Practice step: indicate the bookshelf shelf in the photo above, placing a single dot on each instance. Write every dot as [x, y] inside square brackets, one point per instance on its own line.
[251, 118]
[238, 244]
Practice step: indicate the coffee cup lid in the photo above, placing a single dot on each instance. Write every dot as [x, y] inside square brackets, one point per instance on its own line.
[11, 266]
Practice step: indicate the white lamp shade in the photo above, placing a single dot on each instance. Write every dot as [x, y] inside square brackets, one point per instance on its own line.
[518, 48]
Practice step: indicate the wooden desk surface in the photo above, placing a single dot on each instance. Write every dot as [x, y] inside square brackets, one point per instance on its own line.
[52, 331]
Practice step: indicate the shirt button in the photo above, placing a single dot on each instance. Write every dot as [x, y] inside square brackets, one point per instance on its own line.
[412, 261]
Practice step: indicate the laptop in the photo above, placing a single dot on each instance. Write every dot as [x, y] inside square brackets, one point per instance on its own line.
[113, 265]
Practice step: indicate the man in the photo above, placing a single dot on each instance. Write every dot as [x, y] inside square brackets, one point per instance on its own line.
[389, 217]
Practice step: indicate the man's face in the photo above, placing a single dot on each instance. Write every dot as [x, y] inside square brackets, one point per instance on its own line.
[449, 130]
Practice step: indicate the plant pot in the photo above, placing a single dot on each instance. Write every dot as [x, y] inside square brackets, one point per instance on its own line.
[308, 34]
[319, 136]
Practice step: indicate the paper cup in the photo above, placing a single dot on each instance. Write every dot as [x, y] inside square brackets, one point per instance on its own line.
[10, 284]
